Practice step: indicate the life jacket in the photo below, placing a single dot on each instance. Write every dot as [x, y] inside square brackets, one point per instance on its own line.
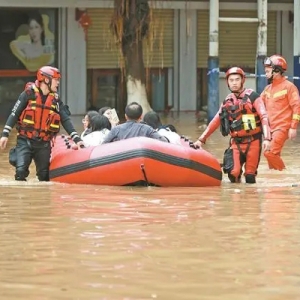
[28, 85]
[242, 118]
[39, 120]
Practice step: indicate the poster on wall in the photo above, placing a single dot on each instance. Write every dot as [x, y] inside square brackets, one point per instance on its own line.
[27, 39]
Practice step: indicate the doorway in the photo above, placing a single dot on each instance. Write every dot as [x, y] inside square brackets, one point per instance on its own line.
[105, 88]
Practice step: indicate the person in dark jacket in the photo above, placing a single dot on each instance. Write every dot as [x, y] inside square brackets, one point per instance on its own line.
[132, 127]
[38, 114]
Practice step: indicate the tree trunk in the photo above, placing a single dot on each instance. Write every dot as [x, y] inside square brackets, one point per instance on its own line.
[135, 75]
[130, 26]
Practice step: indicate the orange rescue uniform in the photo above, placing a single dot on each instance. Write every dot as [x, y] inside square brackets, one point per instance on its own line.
[282, 102]
[246, 144]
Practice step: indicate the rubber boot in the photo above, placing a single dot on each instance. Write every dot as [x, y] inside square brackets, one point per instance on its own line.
[234, 179]
[21, 175]
[250, 178]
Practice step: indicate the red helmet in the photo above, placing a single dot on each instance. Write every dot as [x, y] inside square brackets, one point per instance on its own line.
[47, 72]
[276, 62]
[236, 70]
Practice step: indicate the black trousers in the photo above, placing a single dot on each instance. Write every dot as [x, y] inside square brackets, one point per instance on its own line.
[28, 150]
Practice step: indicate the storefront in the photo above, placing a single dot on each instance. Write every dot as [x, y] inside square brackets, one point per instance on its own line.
[237, 44]
[105, 84]
[175, 55]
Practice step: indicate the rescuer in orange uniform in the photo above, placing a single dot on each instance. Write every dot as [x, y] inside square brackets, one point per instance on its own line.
[243, 116]
[281, 98]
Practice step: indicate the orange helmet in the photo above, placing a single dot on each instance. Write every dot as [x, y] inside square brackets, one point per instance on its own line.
[276, 62]
[47, 72]
[236, 70]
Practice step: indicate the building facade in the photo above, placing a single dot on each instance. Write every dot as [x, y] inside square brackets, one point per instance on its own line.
[175, 54]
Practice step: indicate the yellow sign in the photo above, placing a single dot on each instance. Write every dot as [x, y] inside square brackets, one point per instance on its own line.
[249, 122]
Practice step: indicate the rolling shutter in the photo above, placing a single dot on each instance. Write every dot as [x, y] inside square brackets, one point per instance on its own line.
[237, 41]
[158, 47]
[102, 52]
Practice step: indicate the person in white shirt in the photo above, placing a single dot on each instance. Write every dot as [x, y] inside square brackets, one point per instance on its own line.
[152, 119]
[86, 121]
[99, 129]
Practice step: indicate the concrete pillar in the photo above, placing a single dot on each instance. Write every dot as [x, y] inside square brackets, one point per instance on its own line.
[285, 37]
[76, 65]
[297, 42]
[213, 60]
[187, 60]
[262, 14]
[176, 71]
[62, 52]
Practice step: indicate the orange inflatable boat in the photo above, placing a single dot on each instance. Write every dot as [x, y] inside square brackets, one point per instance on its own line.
[135, 161]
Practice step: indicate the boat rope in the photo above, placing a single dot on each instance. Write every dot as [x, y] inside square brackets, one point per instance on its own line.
[144, 173]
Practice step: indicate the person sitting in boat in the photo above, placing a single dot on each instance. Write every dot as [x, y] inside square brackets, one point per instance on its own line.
[111, 114]
[103, 110]
[86, 121]
[152, 119]
[132, 127]
[99, 130]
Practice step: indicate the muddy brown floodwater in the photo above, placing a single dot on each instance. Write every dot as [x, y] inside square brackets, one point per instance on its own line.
[231, 242]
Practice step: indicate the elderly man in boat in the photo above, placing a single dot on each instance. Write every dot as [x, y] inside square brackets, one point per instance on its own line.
[132, 127]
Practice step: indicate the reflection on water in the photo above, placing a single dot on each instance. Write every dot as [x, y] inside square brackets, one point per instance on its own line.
[231, 242]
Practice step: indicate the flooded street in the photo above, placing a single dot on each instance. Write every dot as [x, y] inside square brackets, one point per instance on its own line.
[231, 242]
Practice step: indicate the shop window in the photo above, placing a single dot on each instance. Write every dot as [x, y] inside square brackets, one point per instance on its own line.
[10, 89]
[106, 89]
